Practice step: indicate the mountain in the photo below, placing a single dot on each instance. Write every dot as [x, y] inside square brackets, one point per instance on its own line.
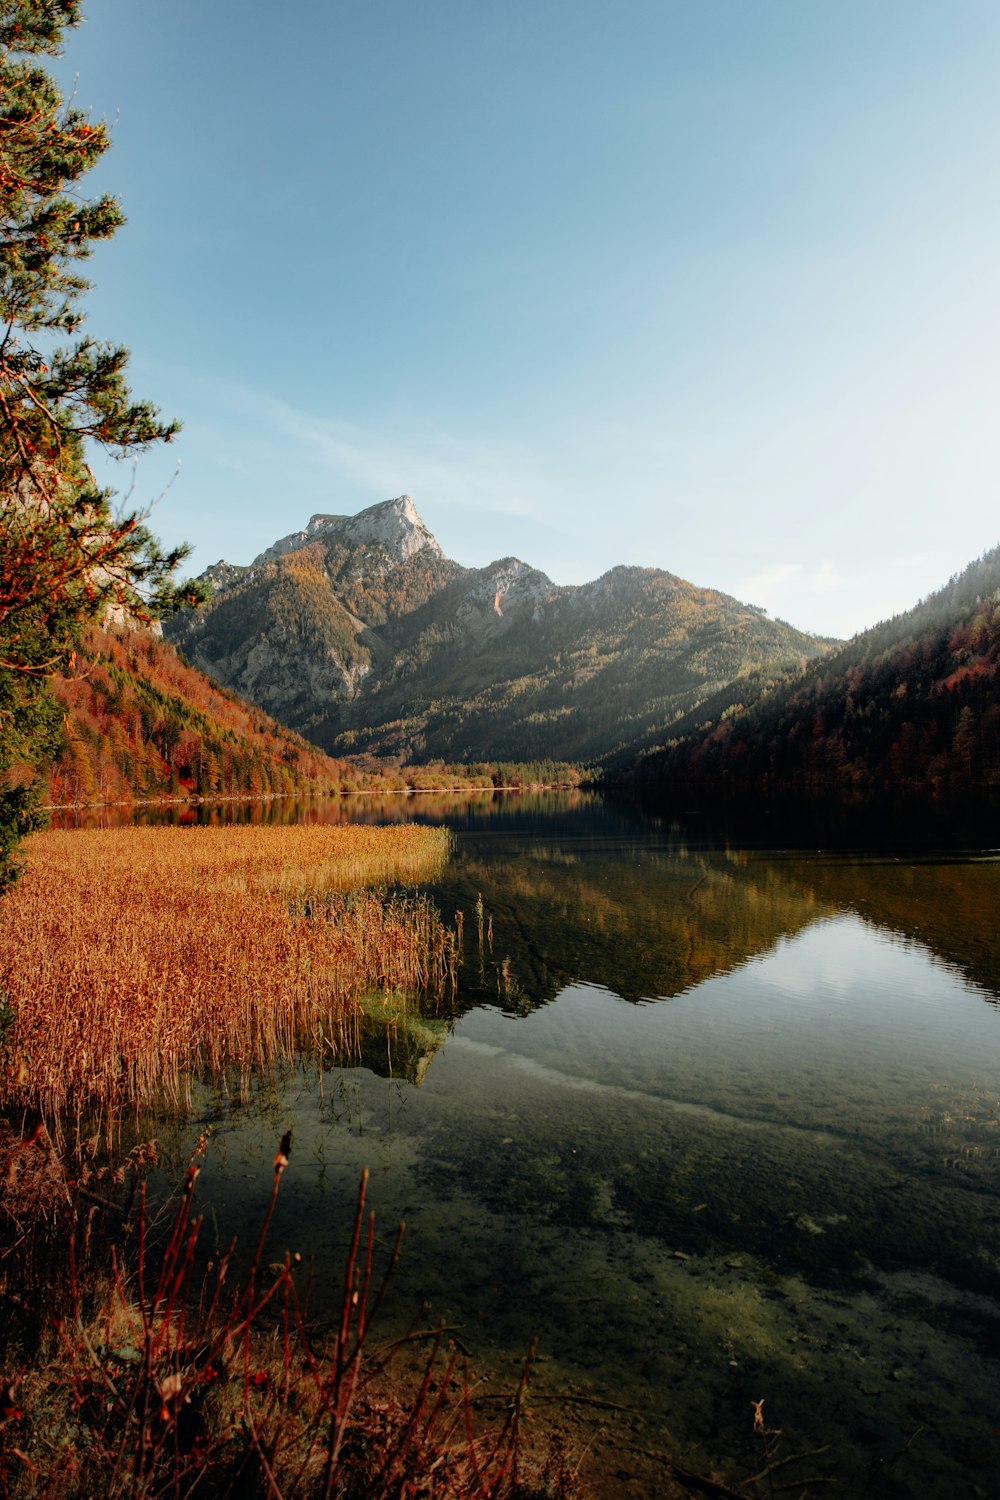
[138, 723]
[358, 632]
[910, 706]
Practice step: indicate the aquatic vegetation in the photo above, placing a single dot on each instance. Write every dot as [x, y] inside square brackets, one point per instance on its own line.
[133, 958]
[161, 1379]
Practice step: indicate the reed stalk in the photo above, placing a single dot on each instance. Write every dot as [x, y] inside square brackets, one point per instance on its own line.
[165, 1388]
[133, 959]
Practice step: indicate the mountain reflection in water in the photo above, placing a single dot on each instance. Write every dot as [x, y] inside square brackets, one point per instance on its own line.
[715, 1124]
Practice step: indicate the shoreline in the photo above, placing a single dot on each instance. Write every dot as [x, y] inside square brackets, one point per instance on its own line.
[367, 791]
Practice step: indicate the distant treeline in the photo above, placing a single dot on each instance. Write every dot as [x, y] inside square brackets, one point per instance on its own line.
[140, 724]
[911, 706]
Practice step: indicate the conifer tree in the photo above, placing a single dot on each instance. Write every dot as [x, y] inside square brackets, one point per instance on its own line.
[66, 555]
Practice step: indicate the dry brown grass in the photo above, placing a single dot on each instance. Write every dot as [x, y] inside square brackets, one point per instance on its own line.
[156, 1381]
[132, 958]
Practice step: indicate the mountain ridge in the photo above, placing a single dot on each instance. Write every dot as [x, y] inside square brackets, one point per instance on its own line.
[359, 633]
[909, 706]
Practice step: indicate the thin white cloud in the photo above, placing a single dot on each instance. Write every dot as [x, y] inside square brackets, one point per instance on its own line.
[451, 472]
[840, 600]
[763, 584]
[826, 579]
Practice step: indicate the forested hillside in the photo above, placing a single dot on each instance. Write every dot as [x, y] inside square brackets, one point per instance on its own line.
[912, 705]
[141, 724]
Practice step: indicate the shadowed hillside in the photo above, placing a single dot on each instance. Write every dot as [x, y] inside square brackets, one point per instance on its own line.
[911, 706]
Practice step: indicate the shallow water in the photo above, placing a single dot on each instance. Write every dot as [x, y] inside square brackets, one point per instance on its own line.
[716, 1126]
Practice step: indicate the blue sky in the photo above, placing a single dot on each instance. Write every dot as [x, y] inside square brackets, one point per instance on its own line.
[712, 287]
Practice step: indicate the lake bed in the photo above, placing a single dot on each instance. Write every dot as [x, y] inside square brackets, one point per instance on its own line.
[715, 1126]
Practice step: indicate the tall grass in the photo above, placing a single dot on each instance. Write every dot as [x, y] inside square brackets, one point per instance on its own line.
[158, 1381]
[133, 958]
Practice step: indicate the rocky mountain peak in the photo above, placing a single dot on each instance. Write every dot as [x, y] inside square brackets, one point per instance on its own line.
[389, 647]
[318, 525]
[394, 525]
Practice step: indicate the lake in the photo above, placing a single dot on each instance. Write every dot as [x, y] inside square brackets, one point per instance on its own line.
[717, 1125]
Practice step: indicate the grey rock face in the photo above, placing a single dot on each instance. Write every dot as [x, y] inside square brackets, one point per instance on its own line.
[497, 596]
[392, 525]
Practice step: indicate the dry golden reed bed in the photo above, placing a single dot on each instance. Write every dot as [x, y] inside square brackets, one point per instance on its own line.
[131, 957]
